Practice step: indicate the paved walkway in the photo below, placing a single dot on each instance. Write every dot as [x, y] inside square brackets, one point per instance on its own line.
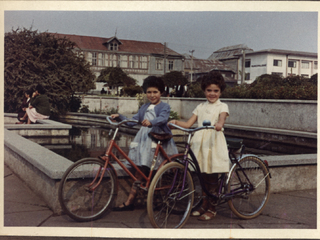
[287, 210]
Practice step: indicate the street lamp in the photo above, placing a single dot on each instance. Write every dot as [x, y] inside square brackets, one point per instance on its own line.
[191, 63]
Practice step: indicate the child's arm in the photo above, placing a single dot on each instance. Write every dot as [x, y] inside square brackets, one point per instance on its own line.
[163, 116]
[221, 121]
[187, 124]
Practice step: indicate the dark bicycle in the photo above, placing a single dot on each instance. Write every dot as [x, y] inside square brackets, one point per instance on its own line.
[171, 194]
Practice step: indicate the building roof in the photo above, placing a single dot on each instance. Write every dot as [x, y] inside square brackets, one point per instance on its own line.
[230, 52]
[128, 46]
[284, 52]
[206, 65]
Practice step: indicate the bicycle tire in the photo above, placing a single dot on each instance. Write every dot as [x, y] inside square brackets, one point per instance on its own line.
[76, 200]
[170, 211]
[197, 199]
[250, 204]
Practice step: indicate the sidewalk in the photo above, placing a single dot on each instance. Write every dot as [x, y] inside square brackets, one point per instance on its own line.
[287, 210]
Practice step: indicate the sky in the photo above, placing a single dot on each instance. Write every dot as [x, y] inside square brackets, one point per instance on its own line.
[204, 32]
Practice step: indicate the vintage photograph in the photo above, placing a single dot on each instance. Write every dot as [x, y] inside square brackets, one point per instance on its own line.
[160, 119]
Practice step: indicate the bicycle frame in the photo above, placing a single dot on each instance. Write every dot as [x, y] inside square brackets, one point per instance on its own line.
[109, 154]
[194, 163]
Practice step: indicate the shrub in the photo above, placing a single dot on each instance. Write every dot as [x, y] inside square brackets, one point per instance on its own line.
[173, 116]
[274, 87]
[195, 90]
[132, 91]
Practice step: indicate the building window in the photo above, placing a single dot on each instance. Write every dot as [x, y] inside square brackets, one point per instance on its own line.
[315, 64]
[113, 62]
[100, 59]
[305, 75]
[159, 64]
[277, 63]
[305, 65]
[280, 74]
[144, 62]
[247, 76]
[133, 62]
[94, 59]
[106, 60]
[170, 65]
[247, 63]
[123, 61]
[292, 64]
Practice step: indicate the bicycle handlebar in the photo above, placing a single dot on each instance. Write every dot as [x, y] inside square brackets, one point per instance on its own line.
[118, 124]
[191, 130]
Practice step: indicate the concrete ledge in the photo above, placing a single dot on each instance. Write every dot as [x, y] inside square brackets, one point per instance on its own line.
[42, 169]
[42, 128]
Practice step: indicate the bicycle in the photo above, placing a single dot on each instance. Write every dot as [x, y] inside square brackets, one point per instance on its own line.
[88, 188]
[246, 187]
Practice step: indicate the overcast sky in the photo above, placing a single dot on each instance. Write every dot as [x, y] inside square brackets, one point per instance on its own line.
[204, 32]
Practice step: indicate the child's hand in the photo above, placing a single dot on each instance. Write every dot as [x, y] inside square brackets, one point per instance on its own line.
[114, 116]
[146, 123]
[173, 122]
[218, 126]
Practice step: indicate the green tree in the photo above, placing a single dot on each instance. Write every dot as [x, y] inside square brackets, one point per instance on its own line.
[115, 77]
[32, 57]
[174, 78]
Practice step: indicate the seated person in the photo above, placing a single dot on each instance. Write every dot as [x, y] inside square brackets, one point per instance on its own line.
[39, 105]
[24, 106]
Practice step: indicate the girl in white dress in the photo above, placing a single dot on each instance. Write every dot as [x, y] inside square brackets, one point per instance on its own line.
[209, 146]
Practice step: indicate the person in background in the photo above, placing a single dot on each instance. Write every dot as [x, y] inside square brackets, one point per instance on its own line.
[39, 105]
[24, 106]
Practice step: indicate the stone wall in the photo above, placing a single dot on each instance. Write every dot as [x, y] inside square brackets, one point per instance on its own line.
[294, 115]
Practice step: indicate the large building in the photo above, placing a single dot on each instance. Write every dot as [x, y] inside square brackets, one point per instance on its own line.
[138, 59]
[280, 62]
[195, 68]
[271, 61]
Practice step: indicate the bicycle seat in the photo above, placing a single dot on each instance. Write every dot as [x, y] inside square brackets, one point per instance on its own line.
[234, 143]
[160, 136]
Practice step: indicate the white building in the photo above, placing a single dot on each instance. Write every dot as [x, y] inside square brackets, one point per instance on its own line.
[278, 62]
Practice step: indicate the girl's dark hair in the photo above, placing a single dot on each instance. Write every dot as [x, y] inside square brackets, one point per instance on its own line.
[29, 92]
[213, 78]
[40, 89]
[153, 81]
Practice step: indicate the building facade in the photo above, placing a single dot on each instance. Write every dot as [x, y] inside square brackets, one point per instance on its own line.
[139, 59]
[249, 64]
[195, 68]
[279, 62]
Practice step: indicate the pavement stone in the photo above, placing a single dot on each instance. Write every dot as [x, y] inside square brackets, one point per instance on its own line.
[286, 210]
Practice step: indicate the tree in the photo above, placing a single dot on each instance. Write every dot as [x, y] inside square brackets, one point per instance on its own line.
[115, 77]
[174, 78]
[32, 57]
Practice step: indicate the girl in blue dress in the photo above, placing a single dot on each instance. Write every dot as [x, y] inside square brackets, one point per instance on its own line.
[153, 115]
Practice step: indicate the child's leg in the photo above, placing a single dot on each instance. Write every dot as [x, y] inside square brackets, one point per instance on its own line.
[129, 203]
[212, 185]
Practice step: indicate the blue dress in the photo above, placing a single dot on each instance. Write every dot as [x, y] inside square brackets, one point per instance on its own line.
[142, 148]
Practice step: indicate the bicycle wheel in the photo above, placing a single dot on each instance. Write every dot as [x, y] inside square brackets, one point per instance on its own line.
[196, 182]
[167, 208]
[251, 199]
[75, 198]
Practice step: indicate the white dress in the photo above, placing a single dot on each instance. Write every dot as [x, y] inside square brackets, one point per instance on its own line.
[209, 146]
[142, 148]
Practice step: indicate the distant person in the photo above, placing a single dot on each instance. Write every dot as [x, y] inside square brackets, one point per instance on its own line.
[39, 105]
[152, 116]
[22, 109]
[103, 91]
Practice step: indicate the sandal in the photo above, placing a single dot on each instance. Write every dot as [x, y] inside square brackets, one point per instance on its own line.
[207, 215]
[198, 212]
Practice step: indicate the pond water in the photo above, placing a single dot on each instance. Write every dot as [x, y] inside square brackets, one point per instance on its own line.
[93, 141]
